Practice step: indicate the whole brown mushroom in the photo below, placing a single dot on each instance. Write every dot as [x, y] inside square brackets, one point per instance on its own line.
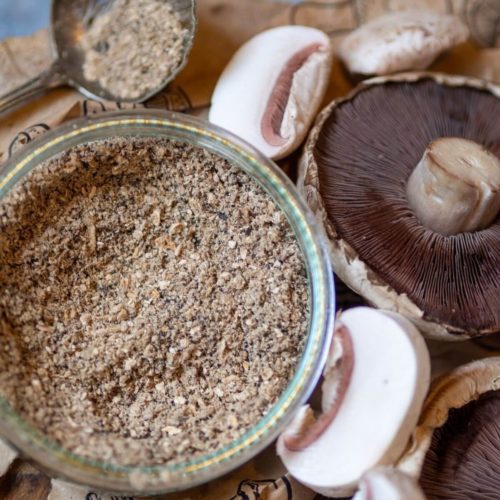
[405, 175]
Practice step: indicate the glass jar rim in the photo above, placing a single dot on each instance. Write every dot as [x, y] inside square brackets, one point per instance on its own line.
[313, 243]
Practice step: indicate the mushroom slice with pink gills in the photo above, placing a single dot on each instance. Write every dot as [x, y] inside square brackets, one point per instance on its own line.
[272, 88]
[375, 381]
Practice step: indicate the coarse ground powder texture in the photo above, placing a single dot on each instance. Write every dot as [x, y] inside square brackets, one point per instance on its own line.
[153, 300]
[133, 47]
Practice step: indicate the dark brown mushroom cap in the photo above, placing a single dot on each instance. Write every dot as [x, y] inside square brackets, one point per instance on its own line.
[463, 461]
[365, 151]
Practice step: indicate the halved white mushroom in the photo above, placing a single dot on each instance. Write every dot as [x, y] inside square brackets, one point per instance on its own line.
[271, 90]
[376, 380]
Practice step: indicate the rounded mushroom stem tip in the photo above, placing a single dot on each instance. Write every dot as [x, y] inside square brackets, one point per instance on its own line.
[455, 188]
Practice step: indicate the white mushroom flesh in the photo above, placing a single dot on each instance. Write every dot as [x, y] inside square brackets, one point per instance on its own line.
[379, 409]
[271, 89]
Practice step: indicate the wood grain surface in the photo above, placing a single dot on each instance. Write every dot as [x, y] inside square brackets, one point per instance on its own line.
[24, 482]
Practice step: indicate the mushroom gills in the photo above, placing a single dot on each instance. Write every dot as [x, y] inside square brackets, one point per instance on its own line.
[365, 152]
[272, 119]
[463, 461]
[369, 412]
[336, 378]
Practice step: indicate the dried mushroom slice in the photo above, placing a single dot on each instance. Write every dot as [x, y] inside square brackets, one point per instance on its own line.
[455, 447]
[375, 381]
[405, 174]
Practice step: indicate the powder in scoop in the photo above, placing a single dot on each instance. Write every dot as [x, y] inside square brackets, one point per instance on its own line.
[132, 47]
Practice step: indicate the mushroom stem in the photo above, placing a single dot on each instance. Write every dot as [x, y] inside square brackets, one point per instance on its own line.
[455, 188]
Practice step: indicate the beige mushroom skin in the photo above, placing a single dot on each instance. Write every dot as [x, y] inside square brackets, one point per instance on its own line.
[346, 262]
[401, 41]
[387, 483]
[453, 390]
[455, 188]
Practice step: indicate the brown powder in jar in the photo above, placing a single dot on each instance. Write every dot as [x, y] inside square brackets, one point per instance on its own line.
[153, 300]
[133, 47]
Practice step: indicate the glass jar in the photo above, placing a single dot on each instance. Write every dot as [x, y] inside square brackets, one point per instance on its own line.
[177, 476]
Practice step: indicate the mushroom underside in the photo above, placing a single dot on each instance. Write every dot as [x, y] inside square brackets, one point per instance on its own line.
[462, 462]
[365, 152]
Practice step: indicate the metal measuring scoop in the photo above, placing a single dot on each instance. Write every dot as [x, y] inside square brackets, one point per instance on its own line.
[70, 19]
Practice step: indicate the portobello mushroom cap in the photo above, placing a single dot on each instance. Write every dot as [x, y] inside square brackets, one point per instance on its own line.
[355, 174]
[455, 449]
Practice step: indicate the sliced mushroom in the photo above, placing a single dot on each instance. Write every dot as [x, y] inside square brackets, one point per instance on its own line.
[272, 88]
[387, 483]
[399, 41]
[455, 447]
[404, 173]
[375, 382]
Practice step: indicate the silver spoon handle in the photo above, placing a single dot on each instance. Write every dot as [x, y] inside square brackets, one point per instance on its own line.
[50, 78]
